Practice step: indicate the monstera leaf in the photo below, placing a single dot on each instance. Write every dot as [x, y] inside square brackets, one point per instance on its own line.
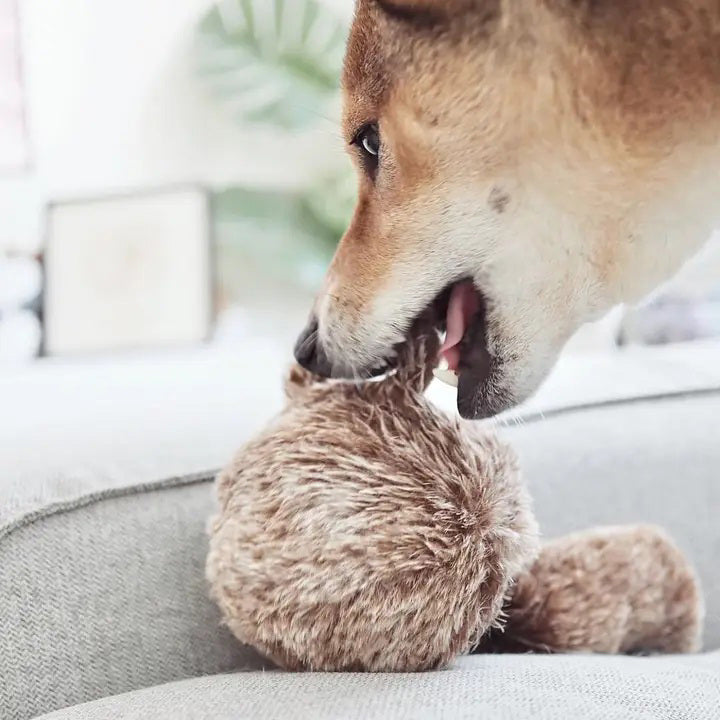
[275, 62]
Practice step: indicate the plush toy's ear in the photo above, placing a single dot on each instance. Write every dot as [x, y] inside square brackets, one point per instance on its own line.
[298, 380]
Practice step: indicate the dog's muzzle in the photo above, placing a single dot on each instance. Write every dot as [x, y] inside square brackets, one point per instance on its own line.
[309, 352]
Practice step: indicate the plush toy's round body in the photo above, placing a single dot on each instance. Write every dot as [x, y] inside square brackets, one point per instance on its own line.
[365, 530]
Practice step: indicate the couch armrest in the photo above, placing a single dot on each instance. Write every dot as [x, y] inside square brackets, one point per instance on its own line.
[107, 594]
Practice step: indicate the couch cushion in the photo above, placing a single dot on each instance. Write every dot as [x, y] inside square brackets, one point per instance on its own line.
[648, 461]
[106, 595]
[500, 687]
[81, 427]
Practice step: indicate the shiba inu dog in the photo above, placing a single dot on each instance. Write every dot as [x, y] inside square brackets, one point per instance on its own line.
[524, 165]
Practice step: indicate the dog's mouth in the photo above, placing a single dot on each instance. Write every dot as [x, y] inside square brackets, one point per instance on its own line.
[460, 312]
[465, 308]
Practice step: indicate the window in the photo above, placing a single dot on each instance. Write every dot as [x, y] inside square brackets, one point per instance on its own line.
[13, 139]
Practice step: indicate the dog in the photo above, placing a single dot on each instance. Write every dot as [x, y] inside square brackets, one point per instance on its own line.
[524, 165]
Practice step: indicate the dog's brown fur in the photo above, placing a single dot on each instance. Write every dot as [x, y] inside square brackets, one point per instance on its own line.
[597, 123]
[365, 530]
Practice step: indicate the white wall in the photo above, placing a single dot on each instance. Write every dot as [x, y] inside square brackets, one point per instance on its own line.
[113, 104]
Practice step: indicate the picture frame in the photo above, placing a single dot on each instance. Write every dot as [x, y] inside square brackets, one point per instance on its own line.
[129, 271]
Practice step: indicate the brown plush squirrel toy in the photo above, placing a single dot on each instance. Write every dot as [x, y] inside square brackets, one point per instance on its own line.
[366, 530]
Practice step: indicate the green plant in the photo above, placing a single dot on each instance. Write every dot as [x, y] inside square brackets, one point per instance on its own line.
[277, 63]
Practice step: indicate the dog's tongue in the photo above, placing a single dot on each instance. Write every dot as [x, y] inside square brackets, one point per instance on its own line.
[463, 306]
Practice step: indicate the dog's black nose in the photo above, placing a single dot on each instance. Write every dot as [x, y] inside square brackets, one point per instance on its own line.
[309, 352]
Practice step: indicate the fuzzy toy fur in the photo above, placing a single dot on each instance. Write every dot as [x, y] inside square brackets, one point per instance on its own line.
[606, 590]
[365, 530]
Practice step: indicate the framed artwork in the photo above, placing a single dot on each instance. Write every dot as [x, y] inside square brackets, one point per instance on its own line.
[14, 153]
[128, 272]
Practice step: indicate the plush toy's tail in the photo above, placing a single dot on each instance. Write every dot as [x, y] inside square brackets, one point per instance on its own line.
[607, 590]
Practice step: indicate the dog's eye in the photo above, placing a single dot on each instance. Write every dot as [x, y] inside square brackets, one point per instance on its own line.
[368, 140]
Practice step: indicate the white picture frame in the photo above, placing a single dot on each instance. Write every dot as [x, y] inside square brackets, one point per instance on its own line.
[128, 272]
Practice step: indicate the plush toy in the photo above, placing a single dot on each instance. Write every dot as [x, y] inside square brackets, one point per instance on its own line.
[366, 530]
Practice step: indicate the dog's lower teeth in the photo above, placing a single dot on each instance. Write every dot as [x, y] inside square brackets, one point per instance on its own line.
[445, 375]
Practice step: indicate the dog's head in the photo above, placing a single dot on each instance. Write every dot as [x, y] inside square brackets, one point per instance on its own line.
[485, 192]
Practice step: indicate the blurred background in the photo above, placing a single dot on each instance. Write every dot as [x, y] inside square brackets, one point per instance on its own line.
[173, 183]
[172, 173]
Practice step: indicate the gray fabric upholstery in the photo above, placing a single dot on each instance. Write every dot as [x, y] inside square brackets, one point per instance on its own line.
[654, 461]
[106, 593]
[108, 597]
[75, 427]
[503, 688]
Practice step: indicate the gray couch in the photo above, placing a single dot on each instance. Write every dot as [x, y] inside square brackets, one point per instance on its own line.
[103, 607]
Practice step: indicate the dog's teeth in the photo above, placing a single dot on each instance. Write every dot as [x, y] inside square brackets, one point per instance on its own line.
[445, 375]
